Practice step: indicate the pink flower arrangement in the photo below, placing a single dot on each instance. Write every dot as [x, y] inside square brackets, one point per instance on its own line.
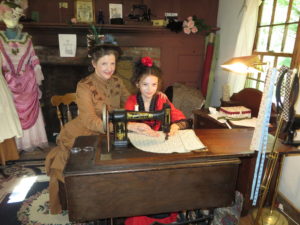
[147, 61]
[193, 25]
[189, 26]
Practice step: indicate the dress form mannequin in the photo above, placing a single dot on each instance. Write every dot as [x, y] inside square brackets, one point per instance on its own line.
[23, 75]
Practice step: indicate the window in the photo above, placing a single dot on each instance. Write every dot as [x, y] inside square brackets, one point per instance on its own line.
[275, 40]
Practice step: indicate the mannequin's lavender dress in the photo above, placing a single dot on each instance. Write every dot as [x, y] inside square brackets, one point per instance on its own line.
[22, 71]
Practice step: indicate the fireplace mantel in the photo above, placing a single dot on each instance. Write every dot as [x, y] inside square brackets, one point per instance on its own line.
[130, 28]
[45, 34]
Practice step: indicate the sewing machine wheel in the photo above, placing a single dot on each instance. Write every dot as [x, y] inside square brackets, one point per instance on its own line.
[105, 118]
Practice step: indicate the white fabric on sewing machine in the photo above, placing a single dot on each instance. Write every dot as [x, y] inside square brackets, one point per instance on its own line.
[183, 141]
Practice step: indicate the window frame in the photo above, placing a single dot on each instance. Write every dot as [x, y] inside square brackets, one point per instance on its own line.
[295, 55]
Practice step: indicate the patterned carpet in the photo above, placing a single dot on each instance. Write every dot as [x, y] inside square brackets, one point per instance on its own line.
[34, 209]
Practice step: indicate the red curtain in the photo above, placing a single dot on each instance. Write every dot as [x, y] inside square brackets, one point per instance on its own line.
[207, 67]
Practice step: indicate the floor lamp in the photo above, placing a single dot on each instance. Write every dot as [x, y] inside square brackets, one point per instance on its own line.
[263, 216]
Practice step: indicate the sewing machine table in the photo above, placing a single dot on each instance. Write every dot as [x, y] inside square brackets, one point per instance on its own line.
[128, 182]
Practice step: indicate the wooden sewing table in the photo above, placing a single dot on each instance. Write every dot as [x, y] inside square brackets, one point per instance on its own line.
[129, 182]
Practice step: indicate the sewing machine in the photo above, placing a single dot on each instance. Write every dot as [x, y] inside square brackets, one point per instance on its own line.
[140, 12]
[121, 117]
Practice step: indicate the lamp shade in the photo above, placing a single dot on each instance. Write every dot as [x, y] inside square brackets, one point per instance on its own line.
[244, 64]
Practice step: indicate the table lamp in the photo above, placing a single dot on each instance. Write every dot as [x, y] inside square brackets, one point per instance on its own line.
[244, 64]
[241, 65]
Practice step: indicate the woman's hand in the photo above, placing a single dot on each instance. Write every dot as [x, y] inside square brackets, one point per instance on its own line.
[142, 128]
[162, 95]
[173, 130]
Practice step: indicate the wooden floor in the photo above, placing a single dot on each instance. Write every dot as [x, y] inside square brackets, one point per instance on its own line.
[247, 220]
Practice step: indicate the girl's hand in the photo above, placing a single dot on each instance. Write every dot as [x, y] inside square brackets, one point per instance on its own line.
[142, 128]
[174, 128]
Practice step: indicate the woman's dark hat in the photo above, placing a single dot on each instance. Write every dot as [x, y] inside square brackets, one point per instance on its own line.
[105, 41]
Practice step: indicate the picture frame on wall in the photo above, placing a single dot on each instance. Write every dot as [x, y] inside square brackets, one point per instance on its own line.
[115, 11]
[85, 11]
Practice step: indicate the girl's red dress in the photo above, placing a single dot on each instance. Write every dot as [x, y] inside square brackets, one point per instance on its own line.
[146, 220]
[176, 115]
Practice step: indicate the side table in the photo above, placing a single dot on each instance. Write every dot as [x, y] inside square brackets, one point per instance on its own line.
[203, 121]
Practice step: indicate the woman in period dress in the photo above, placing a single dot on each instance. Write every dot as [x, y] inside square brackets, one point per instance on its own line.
[22, 71]
[100, 87]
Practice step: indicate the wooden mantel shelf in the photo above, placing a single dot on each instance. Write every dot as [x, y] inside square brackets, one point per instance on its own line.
[45, 34]
[111, 28]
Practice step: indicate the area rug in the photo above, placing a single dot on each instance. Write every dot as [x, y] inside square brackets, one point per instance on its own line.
[16, 171]
[34, 209]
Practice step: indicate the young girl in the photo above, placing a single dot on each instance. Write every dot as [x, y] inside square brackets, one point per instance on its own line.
[147, 78]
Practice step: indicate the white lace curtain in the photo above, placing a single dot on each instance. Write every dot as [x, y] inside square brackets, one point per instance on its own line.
[245, 40]
[237, 20]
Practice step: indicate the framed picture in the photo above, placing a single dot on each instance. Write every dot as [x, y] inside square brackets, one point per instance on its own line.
[85, 11]
[115, 11]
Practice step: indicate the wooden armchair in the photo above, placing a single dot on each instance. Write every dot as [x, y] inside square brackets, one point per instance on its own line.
[64, 110]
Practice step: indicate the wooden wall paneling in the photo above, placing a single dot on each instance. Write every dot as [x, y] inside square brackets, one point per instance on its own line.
[159, 8]
[49, 11]
[203, 9]
[103, 6]
[181, 55]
